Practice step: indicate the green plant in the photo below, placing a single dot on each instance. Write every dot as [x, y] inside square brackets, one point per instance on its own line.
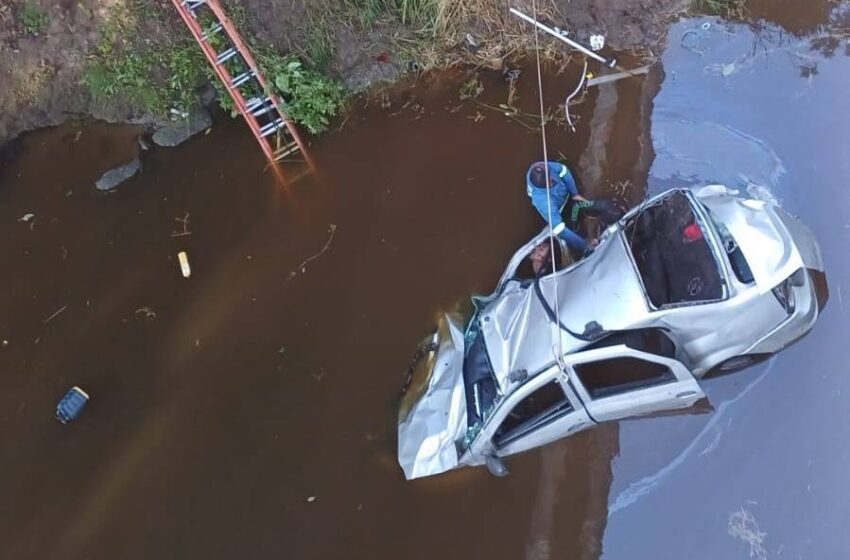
[126, 76]
[471, 88]
[33, 19]
[310, 98]
[155, 78]
[422, 14]
[320, 45]
[724, 8]
[367, 11]
[188, 69]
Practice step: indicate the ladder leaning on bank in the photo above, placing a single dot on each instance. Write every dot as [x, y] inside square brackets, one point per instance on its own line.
[238, 71]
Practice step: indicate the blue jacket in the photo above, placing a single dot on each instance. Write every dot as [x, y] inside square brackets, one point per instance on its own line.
[564, 186]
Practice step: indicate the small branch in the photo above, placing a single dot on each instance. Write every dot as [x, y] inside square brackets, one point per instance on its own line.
[184, 221]
[302, 268]
[60, 310]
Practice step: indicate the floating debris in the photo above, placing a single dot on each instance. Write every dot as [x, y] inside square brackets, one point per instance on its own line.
[71, 405]
[185, 269]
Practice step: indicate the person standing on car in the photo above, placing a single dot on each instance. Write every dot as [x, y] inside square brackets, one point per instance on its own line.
[563, 195]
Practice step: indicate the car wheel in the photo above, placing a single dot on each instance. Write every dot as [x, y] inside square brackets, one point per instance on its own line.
[735, 364]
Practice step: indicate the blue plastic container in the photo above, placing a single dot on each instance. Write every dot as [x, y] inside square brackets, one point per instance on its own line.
[71, 405]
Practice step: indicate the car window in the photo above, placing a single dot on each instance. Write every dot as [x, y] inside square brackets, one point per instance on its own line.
[675, 261]
[540, 407]
[737, 261]
[604, 378]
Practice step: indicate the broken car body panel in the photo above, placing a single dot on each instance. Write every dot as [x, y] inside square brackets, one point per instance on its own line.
[433, 409]
[684, 282]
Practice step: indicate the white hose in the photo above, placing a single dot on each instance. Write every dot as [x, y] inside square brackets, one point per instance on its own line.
[573, 94]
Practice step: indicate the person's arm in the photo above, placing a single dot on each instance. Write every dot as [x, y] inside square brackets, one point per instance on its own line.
[572, 239]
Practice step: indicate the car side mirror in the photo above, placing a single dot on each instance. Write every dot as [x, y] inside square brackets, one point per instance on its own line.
[496, 466]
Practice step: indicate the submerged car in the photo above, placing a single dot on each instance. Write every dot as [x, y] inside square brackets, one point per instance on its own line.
[691, 281]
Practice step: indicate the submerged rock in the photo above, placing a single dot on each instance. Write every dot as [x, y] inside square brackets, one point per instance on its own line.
[176, 133]
[115, 177]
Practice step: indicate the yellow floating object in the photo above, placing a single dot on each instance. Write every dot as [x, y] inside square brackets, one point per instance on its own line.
[184, 264]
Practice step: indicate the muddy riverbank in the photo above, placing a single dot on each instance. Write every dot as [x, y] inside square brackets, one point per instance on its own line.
[249, 410]
[131, 60]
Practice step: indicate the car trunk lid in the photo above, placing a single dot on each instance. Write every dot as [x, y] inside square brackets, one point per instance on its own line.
[770, 249]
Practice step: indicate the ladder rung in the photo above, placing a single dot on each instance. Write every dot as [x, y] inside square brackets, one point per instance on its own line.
[256, 102]
[241, 79]
[271, 127]
[192, 5]
[218, 27]
[263, 109]
[227, 55]
[286, 150]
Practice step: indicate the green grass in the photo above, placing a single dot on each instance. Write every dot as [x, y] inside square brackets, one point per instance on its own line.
[153, 78]
[32, 19]
[367, 12]
[163, 79]
[419, 14]
[321, 43]
[723, 8]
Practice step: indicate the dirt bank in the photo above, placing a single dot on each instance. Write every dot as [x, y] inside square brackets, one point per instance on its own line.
[52, 52]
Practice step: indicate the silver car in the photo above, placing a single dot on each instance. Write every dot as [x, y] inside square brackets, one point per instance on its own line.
[690, 282]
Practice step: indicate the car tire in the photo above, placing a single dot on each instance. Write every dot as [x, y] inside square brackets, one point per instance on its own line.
[736, 364]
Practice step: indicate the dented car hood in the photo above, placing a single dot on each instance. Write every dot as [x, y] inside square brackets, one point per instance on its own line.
[432, 416]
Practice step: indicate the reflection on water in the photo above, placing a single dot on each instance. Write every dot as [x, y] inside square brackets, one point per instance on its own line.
[758, 108]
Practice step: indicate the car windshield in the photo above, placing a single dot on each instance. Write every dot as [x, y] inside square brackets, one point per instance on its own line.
[674, 259]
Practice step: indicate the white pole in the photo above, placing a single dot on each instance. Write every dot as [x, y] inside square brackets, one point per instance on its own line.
[560, 36]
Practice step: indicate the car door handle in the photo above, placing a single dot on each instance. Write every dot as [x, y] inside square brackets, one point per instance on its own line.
[686, 394]
[575, 427]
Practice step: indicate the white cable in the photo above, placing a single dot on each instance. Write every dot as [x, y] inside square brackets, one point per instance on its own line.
[573, 94]
[557, 324]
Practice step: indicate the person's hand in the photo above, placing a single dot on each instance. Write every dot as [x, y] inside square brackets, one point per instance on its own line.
[580, 198]
[593, 243]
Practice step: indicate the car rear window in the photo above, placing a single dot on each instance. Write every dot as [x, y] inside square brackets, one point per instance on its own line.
[675, 261]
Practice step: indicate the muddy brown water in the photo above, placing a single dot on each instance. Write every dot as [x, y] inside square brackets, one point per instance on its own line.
[249, 410]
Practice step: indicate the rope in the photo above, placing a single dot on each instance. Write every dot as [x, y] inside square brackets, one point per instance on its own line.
[556, 325]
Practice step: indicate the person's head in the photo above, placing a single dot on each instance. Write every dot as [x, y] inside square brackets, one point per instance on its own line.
[538, 175]
[540, 251]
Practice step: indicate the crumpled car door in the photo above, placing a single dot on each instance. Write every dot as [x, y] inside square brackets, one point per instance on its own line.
[505, 434]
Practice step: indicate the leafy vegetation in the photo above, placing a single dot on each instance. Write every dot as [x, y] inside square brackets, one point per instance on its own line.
[133, 75]
[310, 98]
[164, 79]
[32, 18]
[471, 88]
[724, 8]
[159, 79]
[417, 13]
[320, 44]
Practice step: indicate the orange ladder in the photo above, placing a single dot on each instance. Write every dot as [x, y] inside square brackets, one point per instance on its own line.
[238, 71]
